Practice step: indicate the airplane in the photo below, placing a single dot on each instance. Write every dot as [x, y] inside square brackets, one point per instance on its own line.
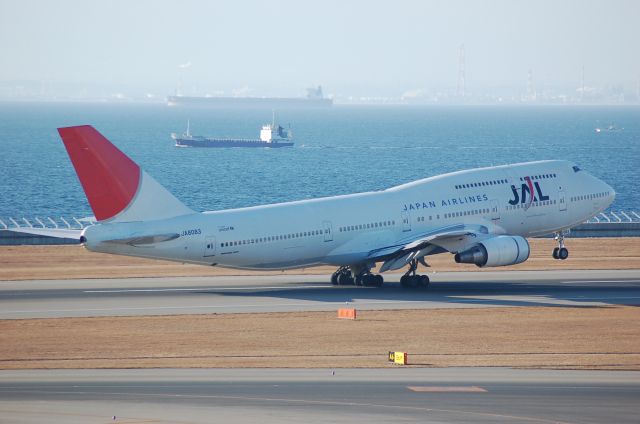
[482, 216]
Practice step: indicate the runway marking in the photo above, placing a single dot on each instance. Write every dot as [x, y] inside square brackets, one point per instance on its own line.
[52, 413]
[149, 308]
[291, 287]
[327, 306]
[306, 402]
[201, 289]
[534, 297]
[599, 281]
[264, 305]
[447, 389]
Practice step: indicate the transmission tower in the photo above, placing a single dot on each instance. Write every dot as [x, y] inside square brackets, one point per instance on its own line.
[531, 94]
[460, 89]
[582, 85]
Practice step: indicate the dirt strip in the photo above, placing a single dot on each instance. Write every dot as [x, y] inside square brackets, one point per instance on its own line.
[536, 337]
[58, 262]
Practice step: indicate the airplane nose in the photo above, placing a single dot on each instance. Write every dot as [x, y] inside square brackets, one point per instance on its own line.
[610, 192]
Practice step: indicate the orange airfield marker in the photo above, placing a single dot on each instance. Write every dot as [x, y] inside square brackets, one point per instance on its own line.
[347, 313]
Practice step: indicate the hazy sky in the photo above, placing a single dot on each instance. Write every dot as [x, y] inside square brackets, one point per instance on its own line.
[282, 46]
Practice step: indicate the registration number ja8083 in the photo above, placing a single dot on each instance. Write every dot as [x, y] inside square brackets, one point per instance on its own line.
[192, 232]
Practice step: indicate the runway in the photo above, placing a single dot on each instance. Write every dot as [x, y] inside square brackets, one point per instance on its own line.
[472, 395]
[282, 293]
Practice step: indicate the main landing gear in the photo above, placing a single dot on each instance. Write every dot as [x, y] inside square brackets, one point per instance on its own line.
[345, 276]
[412, 281]
[560, 252]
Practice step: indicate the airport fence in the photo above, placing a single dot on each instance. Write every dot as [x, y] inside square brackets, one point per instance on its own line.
[10, 237]
[610, 224]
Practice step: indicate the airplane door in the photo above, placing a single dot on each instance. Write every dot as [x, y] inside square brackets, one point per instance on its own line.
[406, 221]
[562, 201]
[495, 211]
[328, 234]
[209, 246]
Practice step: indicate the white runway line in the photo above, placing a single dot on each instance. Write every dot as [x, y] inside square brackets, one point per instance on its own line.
[265, 305]
[600, 281]
[203, 289]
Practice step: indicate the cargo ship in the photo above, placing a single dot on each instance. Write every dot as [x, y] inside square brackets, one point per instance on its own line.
[271, 135]
[314, 99]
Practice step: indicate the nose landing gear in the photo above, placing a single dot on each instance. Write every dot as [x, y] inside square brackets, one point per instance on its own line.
[412, 281]
[560, 252]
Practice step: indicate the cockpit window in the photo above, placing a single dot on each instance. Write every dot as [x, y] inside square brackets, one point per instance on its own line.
[576, 168]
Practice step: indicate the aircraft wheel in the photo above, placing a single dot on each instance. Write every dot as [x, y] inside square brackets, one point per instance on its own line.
[404, 281]
[334, 279]
[378, 281]
[345, 279]
[555, 253]
[413, 281]
[563, 253]
[424, 281]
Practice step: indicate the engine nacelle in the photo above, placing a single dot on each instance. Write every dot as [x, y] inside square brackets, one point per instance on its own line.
[496, 251]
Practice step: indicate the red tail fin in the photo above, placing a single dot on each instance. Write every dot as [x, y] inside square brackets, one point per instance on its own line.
[117, 189]
[109, 178]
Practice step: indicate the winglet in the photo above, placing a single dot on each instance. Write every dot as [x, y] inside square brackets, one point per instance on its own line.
[116, 187]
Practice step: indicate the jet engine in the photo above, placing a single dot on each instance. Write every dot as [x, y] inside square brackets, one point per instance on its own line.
[496, 251]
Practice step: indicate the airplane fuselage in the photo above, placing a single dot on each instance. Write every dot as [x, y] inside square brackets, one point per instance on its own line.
[527, 199]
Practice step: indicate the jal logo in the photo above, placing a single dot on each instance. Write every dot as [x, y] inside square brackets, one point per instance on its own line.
[526, 193]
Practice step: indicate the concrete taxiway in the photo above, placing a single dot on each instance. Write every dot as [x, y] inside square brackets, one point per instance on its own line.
[470, 395]
[283, 293]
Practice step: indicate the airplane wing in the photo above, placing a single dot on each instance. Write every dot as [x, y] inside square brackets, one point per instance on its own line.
[49, 232]
[451, 238]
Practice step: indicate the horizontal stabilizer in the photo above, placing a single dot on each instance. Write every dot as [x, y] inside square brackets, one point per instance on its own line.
[49, 232]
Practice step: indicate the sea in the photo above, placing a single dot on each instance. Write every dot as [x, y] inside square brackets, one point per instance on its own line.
[338, 150]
